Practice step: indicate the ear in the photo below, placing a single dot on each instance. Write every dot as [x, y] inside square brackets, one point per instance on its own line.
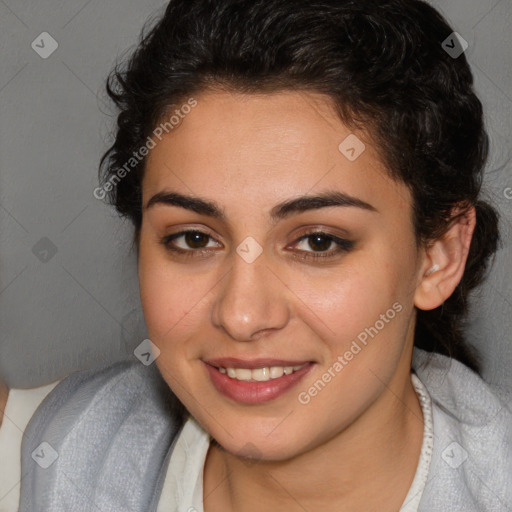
[445, 261]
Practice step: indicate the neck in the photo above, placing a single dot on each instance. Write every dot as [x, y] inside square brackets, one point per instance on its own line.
[368, 466]
[4, 394]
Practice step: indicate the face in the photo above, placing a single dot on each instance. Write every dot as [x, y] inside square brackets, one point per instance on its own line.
[251, 278]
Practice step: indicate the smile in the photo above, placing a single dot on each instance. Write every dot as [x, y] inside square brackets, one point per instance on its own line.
[261, 383]
[260, 374]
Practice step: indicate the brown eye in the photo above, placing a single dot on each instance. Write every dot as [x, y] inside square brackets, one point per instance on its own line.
[320, 242]
[195, 239]
[189, 242]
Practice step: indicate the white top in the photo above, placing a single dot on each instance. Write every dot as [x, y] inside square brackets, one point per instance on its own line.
[184, 479]
[21, 404]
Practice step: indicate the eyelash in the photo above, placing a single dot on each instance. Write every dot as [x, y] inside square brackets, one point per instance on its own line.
[344, 246]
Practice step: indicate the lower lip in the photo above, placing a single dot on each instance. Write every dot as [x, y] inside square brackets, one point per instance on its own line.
[255, 392]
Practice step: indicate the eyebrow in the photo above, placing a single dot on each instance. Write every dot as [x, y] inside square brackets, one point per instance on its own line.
[279, 212]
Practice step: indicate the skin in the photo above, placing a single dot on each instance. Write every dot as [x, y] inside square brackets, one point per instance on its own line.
[355, 446]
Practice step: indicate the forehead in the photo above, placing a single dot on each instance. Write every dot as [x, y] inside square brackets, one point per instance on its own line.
[268, 147]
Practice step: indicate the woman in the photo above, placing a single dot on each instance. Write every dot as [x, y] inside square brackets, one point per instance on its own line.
[303, 179]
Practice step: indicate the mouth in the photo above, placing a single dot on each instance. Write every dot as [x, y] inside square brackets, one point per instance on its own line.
[260, 374]
[256, 381]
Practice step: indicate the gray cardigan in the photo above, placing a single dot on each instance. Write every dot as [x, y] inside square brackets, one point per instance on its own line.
[101, 441]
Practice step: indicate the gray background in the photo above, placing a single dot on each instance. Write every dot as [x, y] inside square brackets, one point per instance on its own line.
[79, 306]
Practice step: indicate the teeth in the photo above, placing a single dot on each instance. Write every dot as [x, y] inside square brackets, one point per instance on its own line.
[260, 374]
[276, 372]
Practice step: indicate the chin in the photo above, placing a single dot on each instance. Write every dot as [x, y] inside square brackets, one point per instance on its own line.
[254, 448]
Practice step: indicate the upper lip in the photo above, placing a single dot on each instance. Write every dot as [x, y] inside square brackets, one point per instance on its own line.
[233, 362]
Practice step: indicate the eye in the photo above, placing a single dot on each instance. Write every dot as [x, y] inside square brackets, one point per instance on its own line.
[193, 242]
[320, 242]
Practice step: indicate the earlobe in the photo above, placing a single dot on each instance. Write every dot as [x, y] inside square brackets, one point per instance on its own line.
[445, 261]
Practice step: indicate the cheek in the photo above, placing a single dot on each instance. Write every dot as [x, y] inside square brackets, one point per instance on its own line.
[361, 312]
[362, 317]
[349, 299]
[173, 302]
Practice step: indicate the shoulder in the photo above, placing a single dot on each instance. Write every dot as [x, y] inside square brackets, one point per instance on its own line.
[472, 457]
[94, 427]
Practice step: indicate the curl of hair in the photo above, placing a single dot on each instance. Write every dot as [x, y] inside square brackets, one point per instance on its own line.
[384, 69]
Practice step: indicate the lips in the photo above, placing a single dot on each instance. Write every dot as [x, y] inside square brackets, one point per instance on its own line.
[233, 362]
[233, 377]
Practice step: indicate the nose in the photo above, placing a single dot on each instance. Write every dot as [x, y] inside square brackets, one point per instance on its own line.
[251, 301]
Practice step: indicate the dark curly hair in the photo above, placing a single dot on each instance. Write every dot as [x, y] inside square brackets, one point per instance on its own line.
[383, 66]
